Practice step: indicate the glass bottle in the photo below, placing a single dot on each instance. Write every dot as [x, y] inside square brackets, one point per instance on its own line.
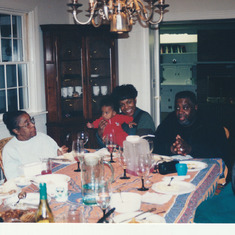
[44, 214]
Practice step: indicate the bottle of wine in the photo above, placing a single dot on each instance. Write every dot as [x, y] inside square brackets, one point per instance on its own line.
[44, 214]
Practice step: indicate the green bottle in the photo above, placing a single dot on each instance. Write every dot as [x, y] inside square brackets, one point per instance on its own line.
[44, 214]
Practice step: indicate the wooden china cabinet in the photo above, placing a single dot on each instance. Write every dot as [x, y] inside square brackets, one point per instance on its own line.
[80, 64]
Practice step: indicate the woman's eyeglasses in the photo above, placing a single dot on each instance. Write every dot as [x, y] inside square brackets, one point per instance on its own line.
[31, 121]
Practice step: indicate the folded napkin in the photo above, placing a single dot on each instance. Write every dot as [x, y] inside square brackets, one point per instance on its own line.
[102, 152]
[177, 177]
[155, 198]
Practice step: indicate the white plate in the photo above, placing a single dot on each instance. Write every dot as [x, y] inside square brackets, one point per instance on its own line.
[31, 198]
[176, 187]
[10, 193]
[180, 157]
[195, 165]
[150, 218]
[66, 156]
[51, 180]
[22, 181]
[125, 202]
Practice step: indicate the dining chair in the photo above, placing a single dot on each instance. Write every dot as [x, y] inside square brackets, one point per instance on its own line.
[2, 144]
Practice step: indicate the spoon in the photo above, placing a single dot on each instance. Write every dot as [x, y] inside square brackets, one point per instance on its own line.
[21, 195]
[170, 181]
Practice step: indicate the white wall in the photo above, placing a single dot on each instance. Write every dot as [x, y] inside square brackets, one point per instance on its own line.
[133, 52]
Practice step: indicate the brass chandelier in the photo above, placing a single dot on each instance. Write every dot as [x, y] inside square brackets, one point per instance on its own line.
[120, 13]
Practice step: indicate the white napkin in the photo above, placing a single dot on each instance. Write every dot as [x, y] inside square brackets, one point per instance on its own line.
[155, 198]
[177, 177]
[102, 152]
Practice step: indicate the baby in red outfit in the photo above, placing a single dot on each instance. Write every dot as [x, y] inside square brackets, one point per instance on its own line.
[114, 121]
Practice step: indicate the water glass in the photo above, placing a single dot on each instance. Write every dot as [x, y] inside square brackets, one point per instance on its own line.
[181, 168]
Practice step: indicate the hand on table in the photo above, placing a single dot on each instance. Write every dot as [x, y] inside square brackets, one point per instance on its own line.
[180, 147]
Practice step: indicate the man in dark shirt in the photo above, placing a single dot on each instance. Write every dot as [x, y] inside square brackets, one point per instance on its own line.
[186, 132]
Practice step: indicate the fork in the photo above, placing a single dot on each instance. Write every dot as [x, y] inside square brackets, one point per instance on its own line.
[170, 181]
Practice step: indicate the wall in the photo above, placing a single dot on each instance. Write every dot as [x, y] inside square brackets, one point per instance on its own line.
[134, 63]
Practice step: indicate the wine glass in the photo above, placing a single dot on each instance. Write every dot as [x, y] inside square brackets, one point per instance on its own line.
[123, 162]
[83, 135]
[151, 145]
[103, 197]
[78, 151]
[144, 164]
[110, 142]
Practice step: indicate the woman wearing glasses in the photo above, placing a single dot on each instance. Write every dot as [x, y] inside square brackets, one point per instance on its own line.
[27, 145]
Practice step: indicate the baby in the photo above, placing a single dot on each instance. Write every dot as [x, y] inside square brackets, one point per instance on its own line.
[114, 121]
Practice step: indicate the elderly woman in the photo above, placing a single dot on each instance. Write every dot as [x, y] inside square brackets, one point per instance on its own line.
[125, 97]
[27, 145]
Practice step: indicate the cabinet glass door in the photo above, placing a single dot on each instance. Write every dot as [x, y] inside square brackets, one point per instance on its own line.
[71, 77]
[100, 71]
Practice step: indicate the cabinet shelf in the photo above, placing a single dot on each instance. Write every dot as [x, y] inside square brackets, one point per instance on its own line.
[71, 54]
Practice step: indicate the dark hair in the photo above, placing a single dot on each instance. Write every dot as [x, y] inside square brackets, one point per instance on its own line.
[11, 120]
[184, 95]
[123, 92]
[108, 101]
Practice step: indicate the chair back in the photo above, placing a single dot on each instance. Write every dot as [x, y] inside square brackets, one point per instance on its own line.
[2, 144]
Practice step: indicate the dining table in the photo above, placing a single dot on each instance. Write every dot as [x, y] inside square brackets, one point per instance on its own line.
[178, 209]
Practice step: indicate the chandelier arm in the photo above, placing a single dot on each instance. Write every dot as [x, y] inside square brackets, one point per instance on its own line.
[98, 24]
[143, 13]
[159, 20]
[91, 15]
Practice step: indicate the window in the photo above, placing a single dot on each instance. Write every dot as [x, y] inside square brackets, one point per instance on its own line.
[14, 91]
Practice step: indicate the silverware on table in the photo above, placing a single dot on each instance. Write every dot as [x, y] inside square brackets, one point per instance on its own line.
[150, 210]
[170, 181]
[21, 195]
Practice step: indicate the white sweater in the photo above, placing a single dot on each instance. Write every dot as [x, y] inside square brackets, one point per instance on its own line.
[17, 153]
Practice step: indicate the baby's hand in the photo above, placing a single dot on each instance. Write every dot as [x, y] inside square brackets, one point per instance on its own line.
[131, 124]
[89, 125]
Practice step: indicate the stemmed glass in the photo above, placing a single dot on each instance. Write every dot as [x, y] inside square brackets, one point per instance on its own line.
[123, 162]
[78, 151]
[103, 197]
[83, 135]
[144, 163]
[151, 145]
[110, 142]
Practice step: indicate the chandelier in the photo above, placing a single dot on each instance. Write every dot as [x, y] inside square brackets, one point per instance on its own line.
[120, 13]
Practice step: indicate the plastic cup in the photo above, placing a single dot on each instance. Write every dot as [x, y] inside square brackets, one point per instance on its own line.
[181, 168]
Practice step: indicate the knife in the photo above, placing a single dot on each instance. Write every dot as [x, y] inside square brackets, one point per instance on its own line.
[106, 215]
[61, 159]
[150, 210]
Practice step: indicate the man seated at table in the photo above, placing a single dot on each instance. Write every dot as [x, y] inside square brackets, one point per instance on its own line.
[220, 208]
[186, 131]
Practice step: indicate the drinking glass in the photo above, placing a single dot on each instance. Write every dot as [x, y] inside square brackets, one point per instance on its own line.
[83, 135]
[144, 164]
[103, 197]
[78, 152]
[123, 162]
[110, 142]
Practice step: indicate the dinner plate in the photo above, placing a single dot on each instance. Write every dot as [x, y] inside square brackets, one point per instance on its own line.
[67, 159]
[9, 193]
[31, 201]
[23, 181]
[176, 187]
[181, 158]
[144, 218]
[195, 165]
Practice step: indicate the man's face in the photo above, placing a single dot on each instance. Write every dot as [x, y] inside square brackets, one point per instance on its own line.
[26, 129]
[107, 112]
[128, 106]
[185, 111]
